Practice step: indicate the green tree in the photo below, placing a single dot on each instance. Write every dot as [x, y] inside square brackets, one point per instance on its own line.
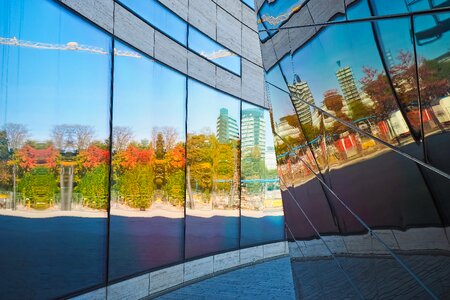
[136, 186]
[94, 187]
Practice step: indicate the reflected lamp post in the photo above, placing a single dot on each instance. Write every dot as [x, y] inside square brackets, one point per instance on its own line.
[14, 171]
[68, 155]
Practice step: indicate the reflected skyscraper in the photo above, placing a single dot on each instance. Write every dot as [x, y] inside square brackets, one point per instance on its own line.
[348, 85]
[253, 131]
[301, 96]
[227, 128]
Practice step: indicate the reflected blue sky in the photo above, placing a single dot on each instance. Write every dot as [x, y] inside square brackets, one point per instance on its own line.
[146, 95]
[204, 107]
[213, 51]
[50, 87]
[160, 17]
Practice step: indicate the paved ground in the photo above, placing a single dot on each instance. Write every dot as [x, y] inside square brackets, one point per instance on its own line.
[372, 277]
[269, 280]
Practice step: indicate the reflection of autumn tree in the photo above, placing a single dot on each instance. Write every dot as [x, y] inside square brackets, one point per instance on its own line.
[335, 102]
[376, 86]
[134, 175]
[94, 187]
[253, 167]
[38, 186]
[200, 163]
[433, 79]
[212, 165]
[91, 175]
[37, 173]
[5, 169]
[159, 163]
[174, 187]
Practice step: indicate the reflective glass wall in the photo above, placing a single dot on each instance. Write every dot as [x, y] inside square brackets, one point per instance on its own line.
[358, 93]
[113, 164]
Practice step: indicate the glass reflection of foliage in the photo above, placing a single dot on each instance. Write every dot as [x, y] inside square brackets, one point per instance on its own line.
[145, 173]
[212, 169]
[43, 172]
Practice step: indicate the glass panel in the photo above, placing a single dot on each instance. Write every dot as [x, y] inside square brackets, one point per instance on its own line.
[382, 7]
[297, 163]
[347, 80]
[261, 206]
[212, 208]
[432, 42]
[54, 133]
[160, 17]
[272, 15]
[147, 205]
[213, 51]
[250, 3]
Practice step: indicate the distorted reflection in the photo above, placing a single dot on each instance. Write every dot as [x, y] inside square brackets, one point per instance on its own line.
[434, 80]
[348, 81]
[54, 150]
[147, 201]
[212, 207]
[261, 205]
[365, 117]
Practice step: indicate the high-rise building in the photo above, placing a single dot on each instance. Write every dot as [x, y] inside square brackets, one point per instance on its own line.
[348, 85]
[253, 131]
[227, 127]
[301, 96]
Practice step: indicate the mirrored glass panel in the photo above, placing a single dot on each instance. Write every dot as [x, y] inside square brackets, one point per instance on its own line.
[213, 177]
[54, 150]
[297, 164]
[347, 79]
[213, 51]
[261, 206]
[250, 3]
[147, 201]
[434, 81]
[381, 7]
[160, 17]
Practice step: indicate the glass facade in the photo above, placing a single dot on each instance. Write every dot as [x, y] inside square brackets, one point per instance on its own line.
[177, 29]
[359, 96]
[113, 164]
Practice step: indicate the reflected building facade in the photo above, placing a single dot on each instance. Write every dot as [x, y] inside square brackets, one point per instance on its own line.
[124, 136]
[365, 186]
